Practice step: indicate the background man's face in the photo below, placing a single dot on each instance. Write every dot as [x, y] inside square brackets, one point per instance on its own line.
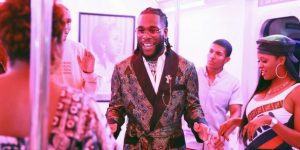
[216, 57]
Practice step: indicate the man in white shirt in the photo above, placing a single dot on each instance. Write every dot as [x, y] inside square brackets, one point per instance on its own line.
[76, 68]
[219, 94]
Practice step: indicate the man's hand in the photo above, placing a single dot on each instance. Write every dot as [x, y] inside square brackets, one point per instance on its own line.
[202, 130]
[113, 127]
[87, 62]
[228, 126]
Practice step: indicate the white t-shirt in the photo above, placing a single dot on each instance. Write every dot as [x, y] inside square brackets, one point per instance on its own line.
[69, 72]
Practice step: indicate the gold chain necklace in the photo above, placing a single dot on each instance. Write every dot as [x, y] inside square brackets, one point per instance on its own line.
[279, 88]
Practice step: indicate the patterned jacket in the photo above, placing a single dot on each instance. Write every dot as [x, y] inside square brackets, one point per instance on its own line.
[154, 120]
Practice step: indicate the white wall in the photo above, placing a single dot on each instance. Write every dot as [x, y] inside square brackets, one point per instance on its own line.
[199, 26]
[115, 7]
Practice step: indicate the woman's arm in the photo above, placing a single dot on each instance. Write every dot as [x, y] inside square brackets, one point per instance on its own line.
[291, 136]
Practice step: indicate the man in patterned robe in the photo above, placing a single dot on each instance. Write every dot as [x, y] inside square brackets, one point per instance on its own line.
[154, 87]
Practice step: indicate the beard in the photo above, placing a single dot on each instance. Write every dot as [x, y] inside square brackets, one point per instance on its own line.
[158, 49]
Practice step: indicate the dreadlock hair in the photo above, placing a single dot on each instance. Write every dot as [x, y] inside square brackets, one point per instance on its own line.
[163, 21]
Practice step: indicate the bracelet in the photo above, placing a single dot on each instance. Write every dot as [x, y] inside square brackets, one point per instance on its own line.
[274, 121]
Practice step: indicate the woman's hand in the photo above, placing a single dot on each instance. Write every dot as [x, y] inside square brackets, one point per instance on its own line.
[87, 62]
[251, 127]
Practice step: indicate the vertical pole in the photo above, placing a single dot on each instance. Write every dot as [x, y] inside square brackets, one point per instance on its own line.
[177, 22]
[40, 46]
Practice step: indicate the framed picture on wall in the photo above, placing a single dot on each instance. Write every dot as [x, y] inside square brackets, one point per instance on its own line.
[111, 39]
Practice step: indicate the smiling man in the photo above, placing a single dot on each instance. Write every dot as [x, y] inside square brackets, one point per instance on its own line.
[154, 88]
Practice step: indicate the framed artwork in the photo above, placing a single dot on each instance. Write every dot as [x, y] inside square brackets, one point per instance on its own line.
[111, 39]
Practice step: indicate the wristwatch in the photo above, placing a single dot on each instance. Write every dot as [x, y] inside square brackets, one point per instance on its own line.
[274, 121]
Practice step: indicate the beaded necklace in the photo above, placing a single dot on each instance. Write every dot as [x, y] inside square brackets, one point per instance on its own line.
[152, 66]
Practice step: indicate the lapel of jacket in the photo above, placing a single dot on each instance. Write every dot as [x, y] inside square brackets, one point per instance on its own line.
[143, 78]
[163, 94]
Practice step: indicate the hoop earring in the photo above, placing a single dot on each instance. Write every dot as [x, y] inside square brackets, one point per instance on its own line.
[276, 71]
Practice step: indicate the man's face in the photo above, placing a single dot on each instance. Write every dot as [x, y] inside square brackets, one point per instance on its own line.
[216, 57]
[150, 34]
[68, 20]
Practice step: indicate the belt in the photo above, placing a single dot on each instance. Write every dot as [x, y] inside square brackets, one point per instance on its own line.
[146, 141]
